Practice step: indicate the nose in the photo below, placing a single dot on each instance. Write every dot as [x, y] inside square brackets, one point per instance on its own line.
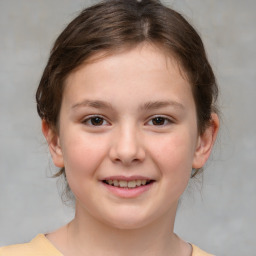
[127, 146]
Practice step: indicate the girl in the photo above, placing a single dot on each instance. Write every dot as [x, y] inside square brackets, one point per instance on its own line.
[127, 102]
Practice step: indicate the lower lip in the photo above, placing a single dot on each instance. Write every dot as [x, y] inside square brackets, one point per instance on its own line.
[128, 192]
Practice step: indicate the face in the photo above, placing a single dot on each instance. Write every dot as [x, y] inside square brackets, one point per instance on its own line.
[128, 137]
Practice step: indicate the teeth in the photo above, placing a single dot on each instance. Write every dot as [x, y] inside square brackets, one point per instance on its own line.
[123, 183]
[138, 182]
[131, 184]
[143, 182]
[126, 184]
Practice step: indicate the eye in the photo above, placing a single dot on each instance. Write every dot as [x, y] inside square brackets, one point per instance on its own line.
[95, 121]
[159, 121]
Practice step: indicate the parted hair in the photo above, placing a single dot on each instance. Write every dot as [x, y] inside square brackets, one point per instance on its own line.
[115, 25]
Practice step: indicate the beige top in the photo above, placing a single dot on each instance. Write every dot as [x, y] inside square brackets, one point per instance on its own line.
[41, 246]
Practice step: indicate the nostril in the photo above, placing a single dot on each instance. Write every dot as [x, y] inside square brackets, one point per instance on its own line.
[127, 160]
[127, 150]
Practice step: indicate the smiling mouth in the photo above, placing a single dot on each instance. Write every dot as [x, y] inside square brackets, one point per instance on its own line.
[128, 184]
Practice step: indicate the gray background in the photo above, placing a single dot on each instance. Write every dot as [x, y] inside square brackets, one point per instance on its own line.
[219, 215]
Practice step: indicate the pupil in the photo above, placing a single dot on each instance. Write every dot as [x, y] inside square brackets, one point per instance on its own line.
[158, 121]
[97, 121]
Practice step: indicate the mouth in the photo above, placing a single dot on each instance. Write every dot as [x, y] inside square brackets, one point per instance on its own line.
[131, 184]
[128, 187]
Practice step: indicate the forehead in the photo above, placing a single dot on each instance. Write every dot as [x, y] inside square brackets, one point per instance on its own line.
[144, 70]
[141, 54]
[128, 82]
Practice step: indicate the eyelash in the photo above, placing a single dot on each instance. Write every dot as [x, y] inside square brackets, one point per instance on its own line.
[102, 121]
[162, 118]
[88, 120]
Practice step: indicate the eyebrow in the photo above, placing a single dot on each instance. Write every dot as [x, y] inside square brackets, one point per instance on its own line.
[151, 105]
[94, 104]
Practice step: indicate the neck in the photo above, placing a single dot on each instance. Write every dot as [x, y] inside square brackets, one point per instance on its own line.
[86, 235]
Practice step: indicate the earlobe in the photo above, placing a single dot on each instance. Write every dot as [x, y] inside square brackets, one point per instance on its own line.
[53, 143]
[206, 142]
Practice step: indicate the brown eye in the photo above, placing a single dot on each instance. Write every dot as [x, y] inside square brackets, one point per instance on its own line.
[95, 121]
[158, 121]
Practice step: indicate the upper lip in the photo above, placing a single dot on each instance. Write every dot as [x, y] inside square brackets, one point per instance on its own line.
[127, 178]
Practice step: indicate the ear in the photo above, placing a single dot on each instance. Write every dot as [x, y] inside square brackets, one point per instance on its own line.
[205, 143]
[53, 143]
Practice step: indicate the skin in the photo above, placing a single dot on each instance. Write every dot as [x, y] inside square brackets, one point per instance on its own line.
[146, 126]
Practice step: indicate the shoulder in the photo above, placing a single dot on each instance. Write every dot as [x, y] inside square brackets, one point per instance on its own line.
[198, 252]
[39, 246]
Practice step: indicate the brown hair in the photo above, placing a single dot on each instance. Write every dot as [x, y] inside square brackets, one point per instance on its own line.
[118, 24]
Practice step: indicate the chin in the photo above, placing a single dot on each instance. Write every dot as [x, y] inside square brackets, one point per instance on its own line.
[127, 224]
[128, 221]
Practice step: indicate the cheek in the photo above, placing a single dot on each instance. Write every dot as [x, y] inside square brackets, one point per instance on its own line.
[82, 154]
[176, 150]
[175, 164]
[173, 155]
